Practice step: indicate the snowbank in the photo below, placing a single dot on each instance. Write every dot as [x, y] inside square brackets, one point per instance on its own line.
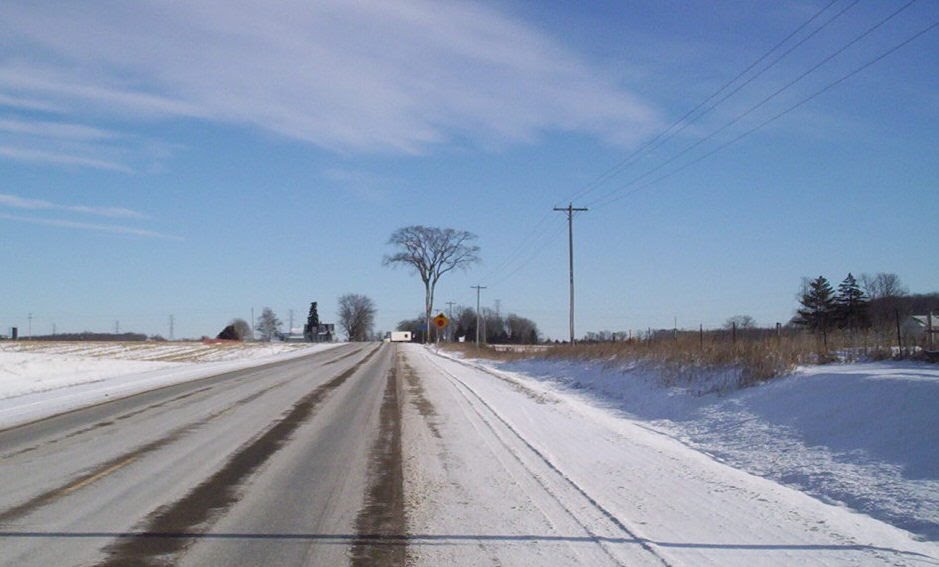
[860, 435]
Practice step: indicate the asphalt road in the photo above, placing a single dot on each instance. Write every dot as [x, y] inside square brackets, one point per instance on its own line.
[295, 463]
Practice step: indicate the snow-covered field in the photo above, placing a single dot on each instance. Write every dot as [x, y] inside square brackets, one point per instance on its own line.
[857, 435]
[43, 378]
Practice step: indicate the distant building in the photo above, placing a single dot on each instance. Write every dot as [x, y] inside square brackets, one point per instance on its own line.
[325, 333]
[316, 332]
[294, 335]
[921, 328]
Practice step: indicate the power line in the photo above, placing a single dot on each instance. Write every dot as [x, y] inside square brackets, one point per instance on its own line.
[664, 135]
[600, 201]
[748, 81]
[533, 253]
[530, 239]
[519, 253]
[775, 117]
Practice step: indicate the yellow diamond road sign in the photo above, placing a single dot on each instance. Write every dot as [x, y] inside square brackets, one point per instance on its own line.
[441, 321]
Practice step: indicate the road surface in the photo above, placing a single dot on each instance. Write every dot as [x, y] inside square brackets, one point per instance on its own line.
[258, 467]
[388, 454]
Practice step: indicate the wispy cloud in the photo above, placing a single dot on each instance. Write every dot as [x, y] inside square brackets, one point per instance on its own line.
[108, 228]
[57, 130]
[362, 184]
[7, 200]
[399, 77]
[58, 158]
[27, 104]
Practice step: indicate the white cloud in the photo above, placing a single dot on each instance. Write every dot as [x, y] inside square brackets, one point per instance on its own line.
[58, 158]
[113, 229]
[58, 130]
[27, 104]
[14, 201]
[347, 76]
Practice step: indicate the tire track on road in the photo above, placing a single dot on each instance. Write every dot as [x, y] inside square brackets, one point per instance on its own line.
[238, 376]
[113, 465]
[381, 526]
[170, 529]
[124, 459]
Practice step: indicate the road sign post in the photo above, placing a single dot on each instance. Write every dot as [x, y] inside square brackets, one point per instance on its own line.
[441, 322]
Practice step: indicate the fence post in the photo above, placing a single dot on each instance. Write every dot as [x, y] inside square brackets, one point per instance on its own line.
[701, 336]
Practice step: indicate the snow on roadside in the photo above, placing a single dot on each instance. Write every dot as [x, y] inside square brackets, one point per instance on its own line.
[151, 351]
[43, 379]
[860, 435]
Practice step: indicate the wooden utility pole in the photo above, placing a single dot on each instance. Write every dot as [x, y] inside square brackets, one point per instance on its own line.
[449, 331]
[477, 288]
[899, 336]
[570, 209]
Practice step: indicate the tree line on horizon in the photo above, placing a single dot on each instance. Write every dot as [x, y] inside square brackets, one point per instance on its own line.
[878, 301]
[494, 328]
[356, 317]
[870, 303]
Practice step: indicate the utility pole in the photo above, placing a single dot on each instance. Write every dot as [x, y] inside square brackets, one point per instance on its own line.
[290, 327]
[252, 323]
[30, 326]
[477, 288]
[449, 333]
[570, 209]
[172, 323]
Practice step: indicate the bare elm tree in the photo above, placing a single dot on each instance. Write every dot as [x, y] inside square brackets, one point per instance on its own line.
[268, 325]
[356, 316]
[432, 252]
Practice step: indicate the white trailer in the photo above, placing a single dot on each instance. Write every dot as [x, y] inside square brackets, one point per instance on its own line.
[401, 336]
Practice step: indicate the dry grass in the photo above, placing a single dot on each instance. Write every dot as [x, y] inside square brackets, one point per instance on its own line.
[685, 357]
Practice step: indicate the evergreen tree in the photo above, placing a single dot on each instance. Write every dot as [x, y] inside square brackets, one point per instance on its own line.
[818, 306]
[852, 305]
[312, 327]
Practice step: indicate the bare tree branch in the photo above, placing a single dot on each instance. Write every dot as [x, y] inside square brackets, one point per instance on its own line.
[356, 316]
[432, 252]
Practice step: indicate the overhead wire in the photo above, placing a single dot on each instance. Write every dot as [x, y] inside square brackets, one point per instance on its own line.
[688, 122]
[665, 135]
[520, 247]
[530, 258]
[779, 115]
[608, 195]
[534, 242]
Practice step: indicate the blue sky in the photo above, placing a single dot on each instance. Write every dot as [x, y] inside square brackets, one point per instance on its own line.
[199, 159]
